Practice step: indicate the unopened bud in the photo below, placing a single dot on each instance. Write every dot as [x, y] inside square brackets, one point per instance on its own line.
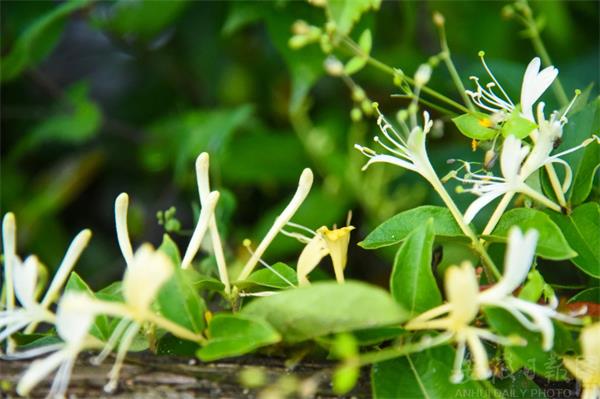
[326, 44]
[402, 115]
[298, 41]
[356, 114]
[358, 94]
[438, 19]
[422, 75]
[398, 77]
[508, 11]
[367, 107]
[333, 66]
[318, 3]
[490, 159]
[300, 27]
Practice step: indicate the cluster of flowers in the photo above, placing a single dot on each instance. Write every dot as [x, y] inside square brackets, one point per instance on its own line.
[147, 270]
[518, 162]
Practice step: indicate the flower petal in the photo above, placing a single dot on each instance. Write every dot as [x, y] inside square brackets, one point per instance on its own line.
[25, 278]
[535, 83]
[38, 370]
[482, 201]
[310, 257]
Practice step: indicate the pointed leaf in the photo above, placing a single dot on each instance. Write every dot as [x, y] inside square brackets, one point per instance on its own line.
[412, 283]
[326, 307]
[179, 302]
[235, 335]
[475, 126]
[398, 227]
[551, 242]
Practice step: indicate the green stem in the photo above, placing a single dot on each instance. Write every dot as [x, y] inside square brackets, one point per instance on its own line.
[397, 351]
[447, 57]
[488, 264]
[540, 48]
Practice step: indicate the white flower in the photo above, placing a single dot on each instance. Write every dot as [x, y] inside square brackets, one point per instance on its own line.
[146, 273]
[409, 154]
[73, 321]
[587, 367]
[517, 164]
[465, 301]
[535, 83]
[21, 278]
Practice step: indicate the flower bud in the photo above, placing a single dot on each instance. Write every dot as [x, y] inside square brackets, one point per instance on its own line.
[356, 114]
[422, 75]
[333, 66]
[438, 19]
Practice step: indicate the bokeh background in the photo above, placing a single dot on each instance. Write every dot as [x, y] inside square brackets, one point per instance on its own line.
[104, 97]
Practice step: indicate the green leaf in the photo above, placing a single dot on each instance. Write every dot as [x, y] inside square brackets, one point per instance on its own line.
[551, 242]
[517, 385]
[179, 302]
[271, 279]
[582, 231]
[201, 282]
[421, 375]
[101, 327]
[169, 247]
[531, 355]
[398, 227]
[475, 126]
[533, 288]
[170, 345]
[38, 40]
[143, 19]
[345, 13]
[356, 63]
[585, 174]
[234, 335]
[517, 126]
[588, 295]
[177, 140]
[412, 282]
[77, 120]
[372, 336]
[325, 308]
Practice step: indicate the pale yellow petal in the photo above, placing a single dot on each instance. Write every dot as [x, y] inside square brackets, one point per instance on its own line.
[462, 290]
[310, 257]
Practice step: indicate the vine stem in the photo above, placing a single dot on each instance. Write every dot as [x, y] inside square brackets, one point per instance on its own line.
[394, 352]
[390, 71]
[490, 268]
[540, 48]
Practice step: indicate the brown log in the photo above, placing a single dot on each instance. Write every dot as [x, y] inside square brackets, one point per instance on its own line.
[147, 376]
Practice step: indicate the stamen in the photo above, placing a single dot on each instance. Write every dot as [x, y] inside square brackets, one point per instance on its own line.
[564, 114]
[111, 343]
[482, 55]
[123, 348]
[301, 227]
[247, 243]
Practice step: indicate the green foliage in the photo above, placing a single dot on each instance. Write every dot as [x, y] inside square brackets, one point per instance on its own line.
[517, 126]
[551, 242]
[271, 278]
[234, 335]
[424, 375]
[412, 282]
[476, 126]
[101, 328]
[582, 232]
[325, 308]
[38, 40]
[397, 228]
[345, 13]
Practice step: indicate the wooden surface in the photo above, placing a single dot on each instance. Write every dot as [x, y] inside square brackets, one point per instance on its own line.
[146, 376]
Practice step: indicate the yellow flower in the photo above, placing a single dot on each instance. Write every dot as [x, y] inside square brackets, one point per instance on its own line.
[324, 242]
[587, 368]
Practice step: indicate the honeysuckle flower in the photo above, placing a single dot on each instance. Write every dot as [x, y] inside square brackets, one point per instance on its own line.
[147, 272]
[73, 321]
[21, 279]
[322, 243]
[409, 154]
[465, 301]
[535, 83]
[517, 164]
[304, 185]
[587, 367]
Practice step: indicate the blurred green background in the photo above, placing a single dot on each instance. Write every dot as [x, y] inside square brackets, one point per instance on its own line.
[104, 97]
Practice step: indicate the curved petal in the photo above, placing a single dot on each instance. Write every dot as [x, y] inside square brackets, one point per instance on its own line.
[392, 160]
[310, 257]
[38, 370]
[511, 157]
[517, 262]
[25, 278]
[482, 201]
[74, 317]
[535, 83]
